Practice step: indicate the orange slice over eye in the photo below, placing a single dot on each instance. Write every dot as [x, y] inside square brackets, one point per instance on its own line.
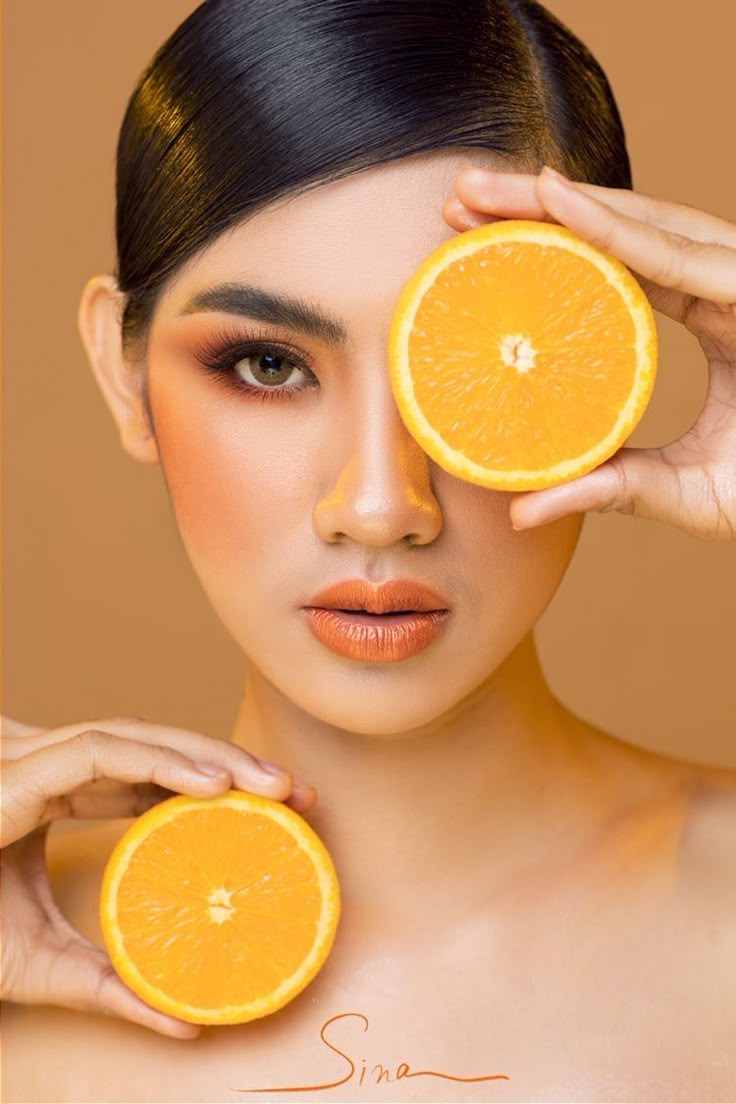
[520, 355]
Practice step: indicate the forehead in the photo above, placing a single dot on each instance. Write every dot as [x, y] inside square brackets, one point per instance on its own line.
[353, 241]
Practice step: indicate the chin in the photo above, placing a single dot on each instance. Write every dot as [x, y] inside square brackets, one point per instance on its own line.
[378, 700]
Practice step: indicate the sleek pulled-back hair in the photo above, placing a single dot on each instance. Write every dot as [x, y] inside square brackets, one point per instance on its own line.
[249, 101]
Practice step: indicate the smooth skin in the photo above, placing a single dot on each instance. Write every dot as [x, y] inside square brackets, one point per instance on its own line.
[506, 868]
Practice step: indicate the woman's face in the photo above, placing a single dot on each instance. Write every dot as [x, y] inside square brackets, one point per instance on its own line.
[311, 477]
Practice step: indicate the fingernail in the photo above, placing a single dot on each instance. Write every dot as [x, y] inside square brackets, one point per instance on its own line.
[306, 795]
[210, 770]
[557, 176]
[303, 787]
[272, 768]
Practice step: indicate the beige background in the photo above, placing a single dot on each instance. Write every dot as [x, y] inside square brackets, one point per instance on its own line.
[104, 614]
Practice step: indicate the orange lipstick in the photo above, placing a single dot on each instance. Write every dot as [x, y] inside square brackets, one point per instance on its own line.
[377, 623]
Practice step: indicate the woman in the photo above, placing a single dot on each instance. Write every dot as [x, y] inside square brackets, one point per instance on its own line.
[532, 909]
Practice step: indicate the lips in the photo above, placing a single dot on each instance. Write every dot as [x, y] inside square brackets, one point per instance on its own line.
[391, 596]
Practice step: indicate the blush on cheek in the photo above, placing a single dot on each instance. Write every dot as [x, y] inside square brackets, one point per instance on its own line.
[221, 495]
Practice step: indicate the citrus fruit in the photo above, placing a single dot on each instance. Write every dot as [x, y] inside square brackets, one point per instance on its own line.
[520, 355]
[219, 910]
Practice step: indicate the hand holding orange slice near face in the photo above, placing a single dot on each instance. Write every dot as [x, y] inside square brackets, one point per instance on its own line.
[520, 355]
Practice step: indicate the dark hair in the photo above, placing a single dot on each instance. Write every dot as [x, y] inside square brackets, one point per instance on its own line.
[249, 101]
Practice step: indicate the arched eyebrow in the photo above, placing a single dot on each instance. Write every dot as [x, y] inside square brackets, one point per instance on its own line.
[267, 306]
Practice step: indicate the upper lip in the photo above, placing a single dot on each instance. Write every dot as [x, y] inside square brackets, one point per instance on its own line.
[385, 597]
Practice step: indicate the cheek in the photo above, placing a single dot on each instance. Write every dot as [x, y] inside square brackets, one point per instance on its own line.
[508, 578]
[225, 480]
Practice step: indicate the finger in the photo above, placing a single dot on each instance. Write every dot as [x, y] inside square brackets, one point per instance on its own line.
[667, 258]
[479, 194]
[118, 1000]
[113, 800]
[110, 799]
[11, 728]
[83, 978]
[514, 195]
[246, 769]
[670, 289]
[513, 200]
[36, 789]
[632, 481]
[302, 797]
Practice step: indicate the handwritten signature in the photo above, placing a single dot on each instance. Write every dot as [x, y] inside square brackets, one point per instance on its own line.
[403, 1069]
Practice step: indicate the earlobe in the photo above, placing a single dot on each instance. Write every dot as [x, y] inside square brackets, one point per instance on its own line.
[98, 322]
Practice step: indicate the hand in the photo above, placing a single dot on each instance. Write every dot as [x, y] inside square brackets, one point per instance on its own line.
[108, 768]
[685, 261]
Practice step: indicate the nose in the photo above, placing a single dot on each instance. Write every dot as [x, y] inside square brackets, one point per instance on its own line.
[382, 492]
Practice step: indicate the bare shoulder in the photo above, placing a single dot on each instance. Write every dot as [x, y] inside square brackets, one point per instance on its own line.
[700, 802]
[708, 849]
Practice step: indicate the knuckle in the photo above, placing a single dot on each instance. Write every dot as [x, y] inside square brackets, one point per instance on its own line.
[673, 268]
[624, 496]
[105, 977]
[162, 760]
[619, 495]
[89, 742]
[14, 969]
[85, 736]
[608, 235]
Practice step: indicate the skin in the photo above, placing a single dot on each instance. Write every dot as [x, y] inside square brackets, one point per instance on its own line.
[476, 823]
[274, 501]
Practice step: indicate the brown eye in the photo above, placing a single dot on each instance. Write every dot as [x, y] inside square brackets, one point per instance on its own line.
[266, 368]
[257, 368]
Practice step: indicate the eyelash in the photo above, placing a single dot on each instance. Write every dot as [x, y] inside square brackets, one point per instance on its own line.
[220, 353]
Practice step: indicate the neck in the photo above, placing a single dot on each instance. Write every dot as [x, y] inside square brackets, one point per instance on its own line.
[466, 802]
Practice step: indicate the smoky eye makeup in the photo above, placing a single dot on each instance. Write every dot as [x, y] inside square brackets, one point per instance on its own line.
[250, 362]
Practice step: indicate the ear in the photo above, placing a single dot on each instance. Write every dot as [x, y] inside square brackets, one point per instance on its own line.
[121, 382]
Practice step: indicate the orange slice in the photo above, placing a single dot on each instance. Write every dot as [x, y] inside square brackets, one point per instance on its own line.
[520, 355]
[219, 910]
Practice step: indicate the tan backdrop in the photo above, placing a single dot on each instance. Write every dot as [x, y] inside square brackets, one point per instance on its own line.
[103, 613]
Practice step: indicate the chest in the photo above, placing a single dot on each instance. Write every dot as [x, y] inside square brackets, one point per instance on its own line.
[569, 993]
[555, 1024]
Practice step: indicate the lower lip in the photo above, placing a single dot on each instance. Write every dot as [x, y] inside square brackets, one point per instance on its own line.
[378, 638]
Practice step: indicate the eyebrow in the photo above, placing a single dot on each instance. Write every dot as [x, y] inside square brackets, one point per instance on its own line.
[267, 306]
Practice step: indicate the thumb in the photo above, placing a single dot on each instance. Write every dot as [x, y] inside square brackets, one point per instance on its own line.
[633, 481]
[85, 979]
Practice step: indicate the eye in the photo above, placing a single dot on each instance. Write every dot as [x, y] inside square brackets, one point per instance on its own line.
[261, 368]
[265, 365]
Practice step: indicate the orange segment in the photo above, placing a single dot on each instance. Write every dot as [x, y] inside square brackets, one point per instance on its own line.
[520, 355]
[219, 910]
